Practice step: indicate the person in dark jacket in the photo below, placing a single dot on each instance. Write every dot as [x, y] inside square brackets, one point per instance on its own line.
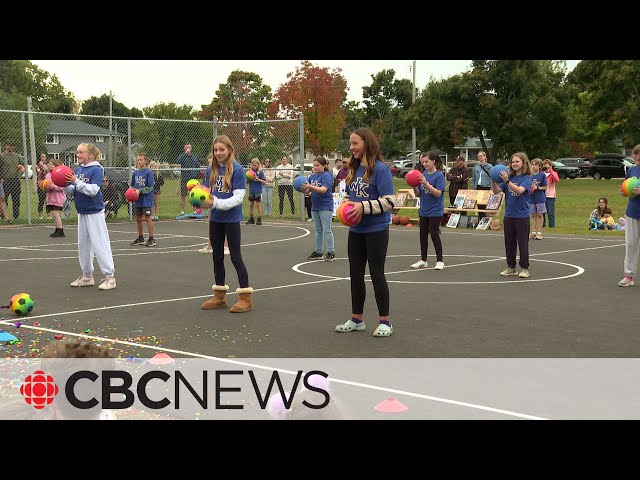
[458, 176]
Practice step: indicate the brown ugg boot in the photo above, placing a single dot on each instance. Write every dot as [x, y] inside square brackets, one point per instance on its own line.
[245, 303]
[219, 299]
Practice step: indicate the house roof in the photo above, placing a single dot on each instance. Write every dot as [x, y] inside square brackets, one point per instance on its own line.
[75, 127]
[474, 142]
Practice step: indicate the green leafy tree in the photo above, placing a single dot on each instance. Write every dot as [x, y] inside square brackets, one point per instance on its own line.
[243, 97]
[607, 93]
[317, 93]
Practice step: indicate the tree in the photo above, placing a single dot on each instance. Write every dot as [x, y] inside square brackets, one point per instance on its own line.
[386, 104]
[20, 79]
[607, 92]
[243, 97]
[317, 93]
[164, 132]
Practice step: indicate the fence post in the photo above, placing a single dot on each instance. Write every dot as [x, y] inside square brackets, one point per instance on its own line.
[301, 142]
[129, 159]
[215, 128]
[26, 169]
[34, 154]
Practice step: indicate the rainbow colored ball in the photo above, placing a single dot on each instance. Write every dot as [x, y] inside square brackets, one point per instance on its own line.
[200, 194]
[21, 304]
[343, 211]
[131, 194]
[43, 184]
[495, 172]
[413, 178]
[298, 182]
[629, 185]
[251, 174]
[192, 183]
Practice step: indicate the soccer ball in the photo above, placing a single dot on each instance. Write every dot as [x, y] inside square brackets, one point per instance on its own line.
[21, 304]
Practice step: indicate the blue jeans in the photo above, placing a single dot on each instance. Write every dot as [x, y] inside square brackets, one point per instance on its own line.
[267, 200]
[322, 222]
[551, 212]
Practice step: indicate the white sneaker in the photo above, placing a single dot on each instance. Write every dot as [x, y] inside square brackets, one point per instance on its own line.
[420, 264]
[108, 284]
[439, 266]
[83, 281]
[206, 249]
[226, 251]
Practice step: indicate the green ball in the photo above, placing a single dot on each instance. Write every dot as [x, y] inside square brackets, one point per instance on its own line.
[21, 304]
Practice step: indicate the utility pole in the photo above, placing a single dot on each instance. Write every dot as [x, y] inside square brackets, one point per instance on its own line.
[413, 128]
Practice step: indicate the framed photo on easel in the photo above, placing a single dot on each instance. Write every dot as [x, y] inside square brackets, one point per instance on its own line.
[401, 197]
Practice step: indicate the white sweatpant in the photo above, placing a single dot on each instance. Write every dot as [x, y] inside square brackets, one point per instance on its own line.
[632, 241]
[93, 238]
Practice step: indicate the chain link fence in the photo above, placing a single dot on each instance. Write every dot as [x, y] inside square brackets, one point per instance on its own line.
[120, 139]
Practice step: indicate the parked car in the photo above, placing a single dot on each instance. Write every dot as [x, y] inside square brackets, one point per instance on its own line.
[394, 168]
[565, 171]
[307, 169]
[608, 168]
[581, 162]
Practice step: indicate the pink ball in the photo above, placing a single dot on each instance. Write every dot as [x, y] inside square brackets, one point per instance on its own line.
[131, 195]
[58, 175]
[343, 211]
[413, 178]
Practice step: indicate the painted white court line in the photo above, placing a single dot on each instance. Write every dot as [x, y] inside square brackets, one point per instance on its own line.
[290, 372]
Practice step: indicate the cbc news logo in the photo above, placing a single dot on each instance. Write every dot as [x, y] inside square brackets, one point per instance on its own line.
[39, 389]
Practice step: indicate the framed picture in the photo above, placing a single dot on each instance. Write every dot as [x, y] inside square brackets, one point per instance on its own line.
[411, 202]
[402, 196]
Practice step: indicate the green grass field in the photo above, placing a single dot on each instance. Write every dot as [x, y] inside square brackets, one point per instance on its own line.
[576, 199]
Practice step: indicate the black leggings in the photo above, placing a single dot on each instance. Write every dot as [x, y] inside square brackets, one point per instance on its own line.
[217, 232]
[289, 190]
[371, 247]
[430, 226]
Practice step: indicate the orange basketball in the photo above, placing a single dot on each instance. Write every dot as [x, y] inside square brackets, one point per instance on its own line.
[404, 219]
[395, 220]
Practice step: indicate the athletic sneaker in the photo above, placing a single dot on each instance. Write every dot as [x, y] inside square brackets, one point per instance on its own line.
[83, 281]
[539, 236]
[420, 264]
[532, 235]
[151, 242]
[509, 272]
[259, 221]
[524, 273]
[329, 257]
[206, 249]
[315, 256]
[138, 241]
[439, 266]
[626, 282]
[108, 283]
[226, 251]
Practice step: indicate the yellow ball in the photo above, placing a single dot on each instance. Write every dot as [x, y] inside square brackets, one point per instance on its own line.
[192, 183]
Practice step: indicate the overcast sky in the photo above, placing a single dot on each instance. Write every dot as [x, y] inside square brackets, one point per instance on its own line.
[142, 83]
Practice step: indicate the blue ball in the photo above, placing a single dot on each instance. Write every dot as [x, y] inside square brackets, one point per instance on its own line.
[298, 182]
[495, 172]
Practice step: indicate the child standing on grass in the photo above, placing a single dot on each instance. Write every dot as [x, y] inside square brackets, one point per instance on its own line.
[143, 181]
[632, 230]
[550, 194]
[430, 190]
[255, 191]
[93, 236]
[516, 186]
[319, 189]
[55, 198]
[227, 180]
[538, 198]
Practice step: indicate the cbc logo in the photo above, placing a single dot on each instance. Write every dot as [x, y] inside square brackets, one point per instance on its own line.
[39, 389]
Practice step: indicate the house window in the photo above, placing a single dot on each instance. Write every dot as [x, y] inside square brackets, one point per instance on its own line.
[333, 156]
[55, 156]
[52, 139]
[99, 139]
[102, 157]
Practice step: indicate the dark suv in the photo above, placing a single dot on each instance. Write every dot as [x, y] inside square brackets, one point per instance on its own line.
[608, 168]
[581, 163]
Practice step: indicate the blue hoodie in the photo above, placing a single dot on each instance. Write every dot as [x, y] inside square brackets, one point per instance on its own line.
[87, 189]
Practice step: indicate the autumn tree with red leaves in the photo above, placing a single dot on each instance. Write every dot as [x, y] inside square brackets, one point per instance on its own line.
[317, 93]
